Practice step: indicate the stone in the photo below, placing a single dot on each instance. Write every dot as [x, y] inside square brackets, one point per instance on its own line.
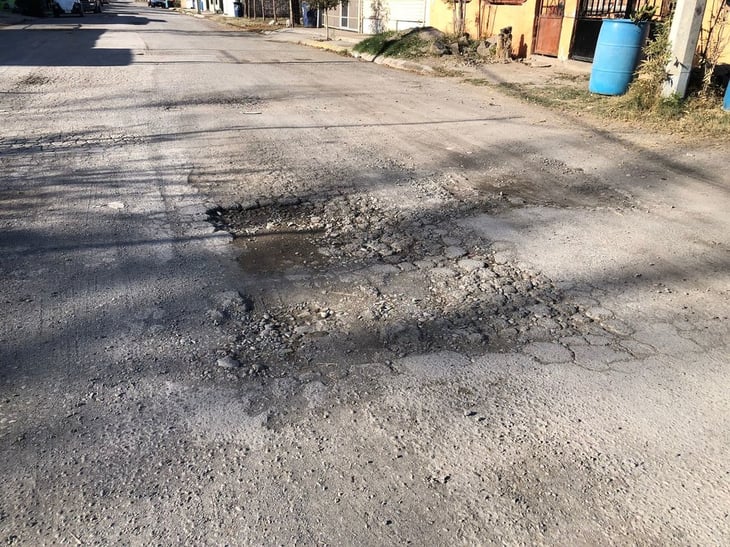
[470, 264]
[443, 272]
[424, 264]
[454, 251]
[502, 257]
[598, 313]
[438, 49]
[486, 49]
[229, 363]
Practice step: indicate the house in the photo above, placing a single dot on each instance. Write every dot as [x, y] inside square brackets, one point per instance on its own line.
[566, 29]
[373, 16]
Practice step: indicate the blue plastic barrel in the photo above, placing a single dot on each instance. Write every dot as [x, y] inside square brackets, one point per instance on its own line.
[617, 54]
[726, 102]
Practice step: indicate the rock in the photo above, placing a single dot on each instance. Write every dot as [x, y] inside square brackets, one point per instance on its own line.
[430, 34]
[454, 251]
[598, 313]
[486, 49]
[229, 299]
[229, 363]
[424, 264]
[470, 264]
[438, 49]
[502, 257]
[443, 272]
[455, 48]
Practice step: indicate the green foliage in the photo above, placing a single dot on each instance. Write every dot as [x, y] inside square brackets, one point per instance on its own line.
[393, 44]
[645, 91]
[643, 14]
[715, 41]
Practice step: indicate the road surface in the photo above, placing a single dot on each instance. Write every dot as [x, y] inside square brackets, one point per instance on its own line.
[445, 317]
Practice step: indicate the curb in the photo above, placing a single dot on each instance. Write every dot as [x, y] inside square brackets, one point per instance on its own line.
[326, 46]
[401, 64]
[12, 19]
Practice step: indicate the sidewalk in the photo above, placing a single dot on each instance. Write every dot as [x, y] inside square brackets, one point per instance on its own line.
[536, 69]
[7, 18]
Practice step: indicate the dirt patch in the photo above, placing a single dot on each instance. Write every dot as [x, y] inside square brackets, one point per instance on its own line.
[34, 80]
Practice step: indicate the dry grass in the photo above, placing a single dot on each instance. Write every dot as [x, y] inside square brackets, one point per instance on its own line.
[696, 116]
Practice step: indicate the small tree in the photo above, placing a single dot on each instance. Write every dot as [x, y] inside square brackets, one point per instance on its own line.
[459, 9]
[324, 5]
[716, 39]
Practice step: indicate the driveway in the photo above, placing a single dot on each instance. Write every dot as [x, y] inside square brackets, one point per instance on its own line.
[257, 293]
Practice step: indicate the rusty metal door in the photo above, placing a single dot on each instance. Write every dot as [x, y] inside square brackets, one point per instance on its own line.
[549, 23]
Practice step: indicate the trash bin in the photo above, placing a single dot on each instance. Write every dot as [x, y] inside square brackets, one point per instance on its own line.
[617, 53]
[309, 16]
[726, 102]
[237, 9]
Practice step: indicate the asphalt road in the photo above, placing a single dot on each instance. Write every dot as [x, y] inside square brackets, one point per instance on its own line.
[120, 131]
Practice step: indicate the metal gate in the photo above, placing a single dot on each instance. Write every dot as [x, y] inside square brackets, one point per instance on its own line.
[549, 23]
[592, 12]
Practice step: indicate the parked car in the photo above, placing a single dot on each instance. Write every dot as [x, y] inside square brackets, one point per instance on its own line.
[157, 3]
[76, 7]
[91, 5]
[67, 6]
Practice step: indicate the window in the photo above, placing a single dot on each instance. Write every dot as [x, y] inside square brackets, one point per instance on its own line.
[344, 13]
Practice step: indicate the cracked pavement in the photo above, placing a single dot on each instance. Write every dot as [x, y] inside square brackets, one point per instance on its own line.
[256, 293]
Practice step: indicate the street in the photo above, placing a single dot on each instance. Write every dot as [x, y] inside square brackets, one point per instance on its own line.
[259, 293]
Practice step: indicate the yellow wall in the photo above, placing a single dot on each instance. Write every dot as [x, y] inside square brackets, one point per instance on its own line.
[566, 34]
[721, 32]
[484, 20]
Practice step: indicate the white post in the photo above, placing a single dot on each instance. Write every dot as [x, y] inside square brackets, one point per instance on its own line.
[683, 36]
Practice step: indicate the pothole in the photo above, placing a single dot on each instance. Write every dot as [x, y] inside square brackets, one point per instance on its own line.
[349, 279]
[278, 252]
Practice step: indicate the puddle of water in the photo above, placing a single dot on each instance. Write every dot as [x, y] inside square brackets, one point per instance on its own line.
[279, 252]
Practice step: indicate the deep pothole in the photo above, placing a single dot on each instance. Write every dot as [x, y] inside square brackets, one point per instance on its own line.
[349, 279]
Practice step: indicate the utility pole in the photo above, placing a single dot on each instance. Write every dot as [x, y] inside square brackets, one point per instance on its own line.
[683, 35]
